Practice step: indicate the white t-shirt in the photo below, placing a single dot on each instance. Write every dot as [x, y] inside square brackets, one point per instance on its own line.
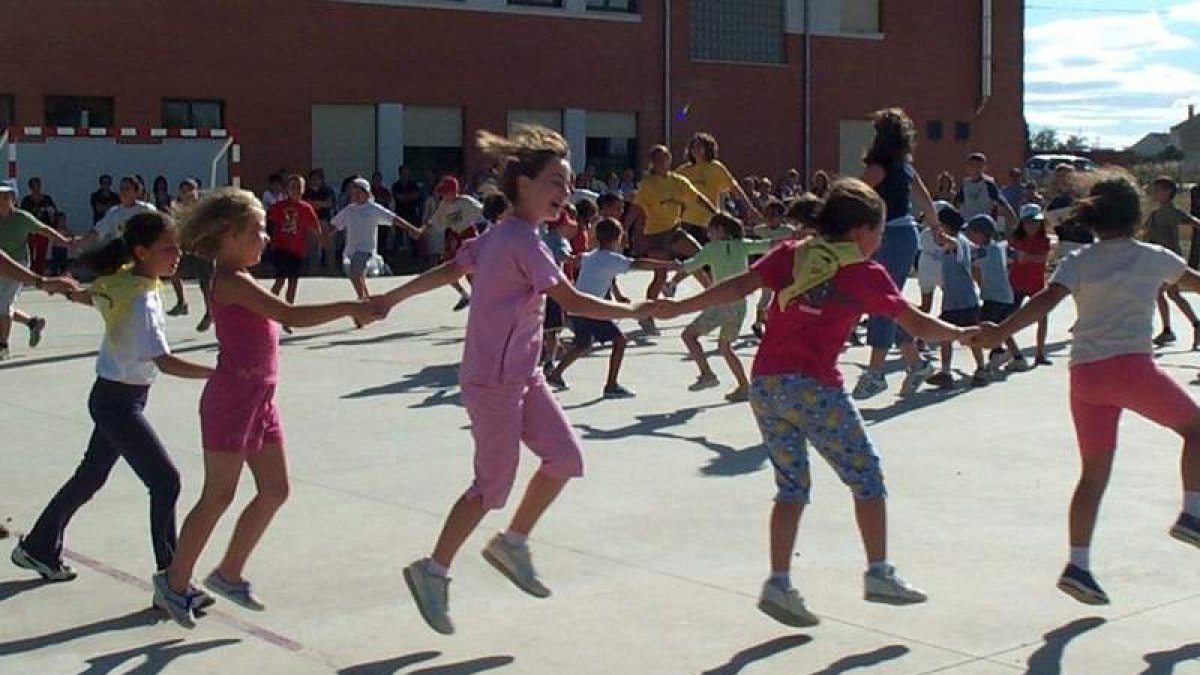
[451, 214]
[112, 225]
[127, 353]
[598, 269]
[1115, 285]
[360, 222]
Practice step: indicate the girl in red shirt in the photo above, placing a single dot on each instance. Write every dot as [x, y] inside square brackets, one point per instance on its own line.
[1030, 246]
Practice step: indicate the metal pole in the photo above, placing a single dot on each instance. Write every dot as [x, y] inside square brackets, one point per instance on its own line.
[807, 95]
[667, 107]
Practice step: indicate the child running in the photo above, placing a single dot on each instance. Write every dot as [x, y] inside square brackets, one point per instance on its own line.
[1115, 284]
[823, 284]
[960, 301]
[294, 224]
[239, 422]
[1030, 246]
[504, 393]
[133, 351]
[1162, 228]
[598, 271]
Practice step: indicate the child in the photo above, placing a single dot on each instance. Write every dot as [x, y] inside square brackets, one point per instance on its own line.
[979, 194]
[453, 212]
[775, 229]
[1031, 250]
[495, 207]
[360, 219]
[727, 254]
[294, 225]
[822, 285]
[555, 239]
[1162, 228]
[502, 389]
[929, 260]
[960, 302]
[133, 351]
[990, 269]
[239, 422]
[1115, 283]
[598, 270]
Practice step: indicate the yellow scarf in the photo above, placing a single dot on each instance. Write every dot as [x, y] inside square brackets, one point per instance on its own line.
[113, 295]
[817, 261]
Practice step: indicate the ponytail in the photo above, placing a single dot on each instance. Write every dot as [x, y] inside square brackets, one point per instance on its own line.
[141, 230]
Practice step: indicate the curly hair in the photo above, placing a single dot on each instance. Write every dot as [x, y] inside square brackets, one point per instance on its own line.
[895, 137]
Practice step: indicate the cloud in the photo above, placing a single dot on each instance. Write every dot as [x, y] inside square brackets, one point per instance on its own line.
[1186, 12]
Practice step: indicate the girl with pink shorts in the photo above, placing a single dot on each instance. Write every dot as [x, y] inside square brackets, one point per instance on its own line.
[1115, 284]
[503, 389]
[239, 421]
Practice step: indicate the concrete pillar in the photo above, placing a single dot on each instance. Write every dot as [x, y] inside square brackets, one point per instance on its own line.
[575, 131]
[389, 139]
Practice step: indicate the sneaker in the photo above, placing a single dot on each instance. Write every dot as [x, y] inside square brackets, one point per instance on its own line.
[200, 600]
[648, 326]
[557, 382]
[617, 391]
[786, 606]
[205, 323]
[1187, 529]
[1042, 360]
[462, 303]
[237, 593]
[998, 360]
[888, 587]
[870, 384]
[704, 382]
[855, 339]
[669, 289]
[1164, 338]
[1079, 584]
[177, 605]
[942, 380]
[1018, 365]
[432, 595]
[36, 326]
[914, 378]
[515, 563]
[180, 309]
[739, 395]
[758, 329]
[50, 572]
[981, 378]
[286, 328]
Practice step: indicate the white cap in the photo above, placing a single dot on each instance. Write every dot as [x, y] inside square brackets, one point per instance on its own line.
[362, 184]
[9, 186]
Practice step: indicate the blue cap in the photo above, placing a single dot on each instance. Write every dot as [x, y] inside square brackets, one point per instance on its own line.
[982, 223]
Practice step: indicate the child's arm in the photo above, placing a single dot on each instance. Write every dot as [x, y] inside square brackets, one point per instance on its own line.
[730, 290]
[929, 327]
[11, 269]
[442, 275]
[617, 294]
[991, 335]
[173, 365]
[581, 304]
[242, 289]
[54, 235]
[652, 264]
[1190, 281]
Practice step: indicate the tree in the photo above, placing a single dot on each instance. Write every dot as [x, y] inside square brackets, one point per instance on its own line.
[1170, 154]
[1045, 140]
[1074, 143]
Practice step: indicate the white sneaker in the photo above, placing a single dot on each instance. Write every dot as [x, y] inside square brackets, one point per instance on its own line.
[786, 607]
[914, 378]
[516, 563]
[432, 595]
[888, 587]
[870, 384]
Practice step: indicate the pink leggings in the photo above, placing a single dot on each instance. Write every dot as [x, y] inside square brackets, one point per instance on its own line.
[1102, 389]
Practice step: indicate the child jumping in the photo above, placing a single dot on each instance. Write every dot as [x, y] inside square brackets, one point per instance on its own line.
[239, 422]
[822, 284]
[1115, 283]
[503, 391]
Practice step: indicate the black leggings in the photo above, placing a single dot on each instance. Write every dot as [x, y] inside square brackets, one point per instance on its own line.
[121, 431]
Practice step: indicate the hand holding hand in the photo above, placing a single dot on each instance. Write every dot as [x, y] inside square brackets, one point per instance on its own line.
[966, 336]
[364, 313]
[63, 285]
[665, 309]
[641, 310]
[986, 336]
[380, 306]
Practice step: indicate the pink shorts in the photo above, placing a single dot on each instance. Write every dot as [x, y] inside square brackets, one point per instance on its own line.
[239, 416]
[1102, 389]
[502, 416]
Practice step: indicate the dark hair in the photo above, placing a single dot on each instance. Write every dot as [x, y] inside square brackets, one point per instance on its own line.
[947, 177]
[850, 203]
[586, 209]
[494, 205]
[1166, 183]
[706, 141]
[135, 181]
[275, 178]
[732, 227]
[895, 137]
[33, 180]
[804, 209]
[104, 176]
[659, 150]
[161, 180]
[775, 205]
[608, 231]
[141, 230]
[528, 151]
[1113, 207]
[606, 199]
[824, 177]
[977, 157]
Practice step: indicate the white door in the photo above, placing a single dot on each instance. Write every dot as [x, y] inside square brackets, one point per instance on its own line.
[343, 141]
[854, 137]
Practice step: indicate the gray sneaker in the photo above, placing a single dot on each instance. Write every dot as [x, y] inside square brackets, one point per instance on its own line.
[432, 595]
[704, 382]
[238, 593]
[36, 326]
[785, 606]
[516, 563]
[177, 605]
[23, 559]
[870, 384]
[914, 378]
[888, 587]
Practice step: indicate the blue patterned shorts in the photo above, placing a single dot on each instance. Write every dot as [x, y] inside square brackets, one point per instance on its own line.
[794, 410]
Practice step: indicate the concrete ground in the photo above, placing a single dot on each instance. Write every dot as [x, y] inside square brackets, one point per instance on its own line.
[655, 558]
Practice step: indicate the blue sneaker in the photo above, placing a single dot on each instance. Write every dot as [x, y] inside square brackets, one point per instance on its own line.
[1187, 529]
[177, 605]
[1079, 584]
[237, 593]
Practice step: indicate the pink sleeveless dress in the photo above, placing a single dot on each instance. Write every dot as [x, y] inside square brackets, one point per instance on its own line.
[237, 409]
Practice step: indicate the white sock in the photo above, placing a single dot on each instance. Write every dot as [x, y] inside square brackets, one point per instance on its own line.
[436, 569]
[515, 538]
[782, 580]
[1081, 557]
[879, 567]
[1191, 503]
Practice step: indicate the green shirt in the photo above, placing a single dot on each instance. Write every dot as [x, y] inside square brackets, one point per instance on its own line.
[14, 231]
[727, 257]
[1162, 227]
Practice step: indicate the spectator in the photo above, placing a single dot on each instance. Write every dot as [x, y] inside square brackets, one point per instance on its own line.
[320, 196]
[112, 225]
[161, 194]
[42, 207]
[103, 198]
[790, 187]
[628, 183]
[945, 189]
[275, 192]
[60, 256]
[1014, 192]
[820, 184]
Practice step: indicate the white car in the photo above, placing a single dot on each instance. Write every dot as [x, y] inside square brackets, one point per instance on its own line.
[1040, 167]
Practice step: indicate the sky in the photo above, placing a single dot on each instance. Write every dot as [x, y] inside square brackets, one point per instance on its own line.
[1111, 70]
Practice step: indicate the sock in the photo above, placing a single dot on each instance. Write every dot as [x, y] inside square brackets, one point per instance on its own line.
[515, 538]
[1191, 503]
[435, 569]
[781, 580]
[1081, 557]
[879, 567]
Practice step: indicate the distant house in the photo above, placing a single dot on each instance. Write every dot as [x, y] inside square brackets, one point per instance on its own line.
[1186, 137]
[1151, 145]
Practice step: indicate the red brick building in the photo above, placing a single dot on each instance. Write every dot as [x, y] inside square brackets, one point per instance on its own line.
[355, 85]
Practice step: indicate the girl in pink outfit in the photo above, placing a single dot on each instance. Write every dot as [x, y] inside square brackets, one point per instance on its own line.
[503, 389]
[239, 421]
[1115, 283]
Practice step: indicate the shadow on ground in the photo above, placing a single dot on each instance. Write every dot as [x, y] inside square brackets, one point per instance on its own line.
[758, 652]
[1047, 659]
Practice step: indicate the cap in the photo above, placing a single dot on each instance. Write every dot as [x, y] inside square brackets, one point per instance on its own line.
[1031, 212]
[195, 184]
[362, 184]
[9, 186]
[982, 223]
[446, 184]
[951, 218]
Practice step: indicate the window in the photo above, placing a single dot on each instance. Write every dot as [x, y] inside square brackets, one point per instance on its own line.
[193, 114]
[551, 119]
[611, 142]
[433, 141]
[613, 5]
[933, 130]
[79, 111]
[860, 16]
[536, 3]
[8, 111]
[749, 31]
[962, 131]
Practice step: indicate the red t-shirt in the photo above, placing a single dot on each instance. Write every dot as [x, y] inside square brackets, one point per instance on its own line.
[1029, 278]
[580, 244]
[807, 337]
[291, 223]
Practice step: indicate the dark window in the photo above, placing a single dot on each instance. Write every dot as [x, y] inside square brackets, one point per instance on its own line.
[193, 114]
[962, 131]
[8, 111]
[933, 130]
[613, 5]
[611, 155]
[79, 111]
[536, 3]
[435, 160]
[748, 31]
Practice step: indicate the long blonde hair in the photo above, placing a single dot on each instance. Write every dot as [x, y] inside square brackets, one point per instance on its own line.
[202, 224]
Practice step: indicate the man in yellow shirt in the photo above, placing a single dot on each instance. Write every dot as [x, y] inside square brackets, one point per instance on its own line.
[710, 176]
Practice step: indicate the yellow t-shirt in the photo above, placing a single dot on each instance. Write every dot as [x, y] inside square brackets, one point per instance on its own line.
[711, 179]
[664, 198]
